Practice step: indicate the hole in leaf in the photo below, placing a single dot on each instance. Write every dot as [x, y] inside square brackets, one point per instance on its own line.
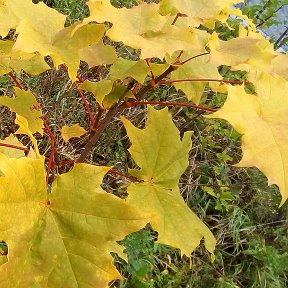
[3, 248]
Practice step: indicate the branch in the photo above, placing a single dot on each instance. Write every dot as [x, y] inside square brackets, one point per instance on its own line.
[15, 147]
[135, 103]
[206, 53]
[18, 84]
[203, 80]
[116, 109]
[87, 107]
[54, 155]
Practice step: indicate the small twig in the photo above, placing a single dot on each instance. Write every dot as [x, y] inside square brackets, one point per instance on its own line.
[111, 171]
[203, 80]
[151, 72]
[53, 158]
[136, 103]
[15, 147]
[18, 84]
[97, 119]
[191, 58]
[125, 176]
[87, 107]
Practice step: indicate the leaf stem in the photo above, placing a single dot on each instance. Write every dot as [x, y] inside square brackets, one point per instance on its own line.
[136, 103]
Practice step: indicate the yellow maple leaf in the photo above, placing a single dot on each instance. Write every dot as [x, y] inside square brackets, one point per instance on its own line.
[64, 241]
[23, 104]
[47, 22]
[66, 46]
[163, 158]
[262, 120]
[196, 11]
[142, 27]
[241, 52]
[73, 131]
[32, 63]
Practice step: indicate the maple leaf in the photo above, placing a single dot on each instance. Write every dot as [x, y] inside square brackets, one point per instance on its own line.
[98, 54]
[23, 105]
[65, 46]
[163, 158]
[32, 63]
[46, 20]
[66, 241]
[262, 120]
[236, 52]
[123, 68]
[73, 131]
[99, 89]
[142, 27]
[196, 68]
[196, 11]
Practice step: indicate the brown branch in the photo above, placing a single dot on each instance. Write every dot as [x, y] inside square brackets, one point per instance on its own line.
[87, 107]
[116, 109]
[135, 103]
[18, 84]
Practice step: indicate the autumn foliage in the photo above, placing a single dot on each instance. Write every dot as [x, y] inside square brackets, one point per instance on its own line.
[61, 230]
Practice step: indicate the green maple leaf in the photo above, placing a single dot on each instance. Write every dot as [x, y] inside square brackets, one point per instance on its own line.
[196, 68]
[66, 241]
[32, 63]
[123, 68]
[163, 158]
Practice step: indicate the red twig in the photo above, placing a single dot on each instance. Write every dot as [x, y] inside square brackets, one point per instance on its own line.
[53, 156]
[176, 18]
[114, 172]
[203, 80]
[87, 107]
[125, 176]
[206, 53]
[15, 147]
[18, 84]
[151, 72]
[135, 103]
